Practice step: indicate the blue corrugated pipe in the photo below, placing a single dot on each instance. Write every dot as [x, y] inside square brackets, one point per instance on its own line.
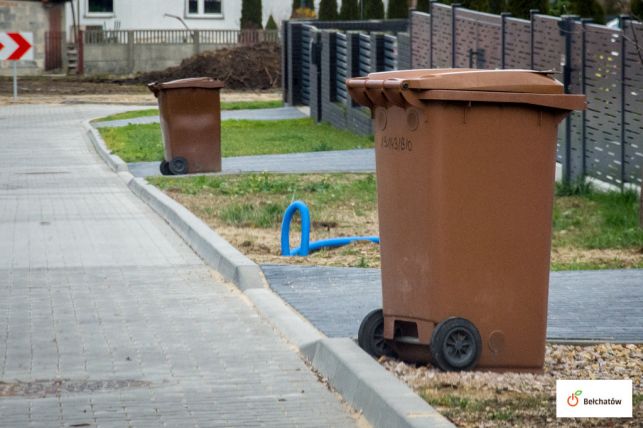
[306, 247]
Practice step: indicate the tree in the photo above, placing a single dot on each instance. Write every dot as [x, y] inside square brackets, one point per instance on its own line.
[588, 9]
[397, 9]
[636, 9]
[373, 9]
[583, 8]
[327, 10]
[271, 24]
[520, 8]
[423, 5]
[349, 10]
[497, 6]
[251, 14]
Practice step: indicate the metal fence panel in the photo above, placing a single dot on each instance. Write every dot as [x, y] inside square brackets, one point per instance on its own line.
[602, 85]
[390, 53]
[517, 43]
[441, 36]
[342, 67]
[633, 100]
[305, 64]
[364, 54]
[421, 39]
[477, 39]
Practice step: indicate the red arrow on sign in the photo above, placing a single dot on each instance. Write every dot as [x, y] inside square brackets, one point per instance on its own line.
[23, 46]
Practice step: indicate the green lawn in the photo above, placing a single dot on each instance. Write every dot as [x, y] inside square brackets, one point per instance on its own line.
[225, 105]
[136, 143]
[591, 230]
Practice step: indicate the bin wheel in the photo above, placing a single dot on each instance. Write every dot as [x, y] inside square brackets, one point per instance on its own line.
[178, 166]
[371, 335]
[456, 345]
[165, 167]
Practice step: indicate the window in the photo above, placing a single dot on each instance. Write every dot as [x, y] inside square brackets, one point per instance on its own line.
[100, 6]
[193, 6]
[203, 8]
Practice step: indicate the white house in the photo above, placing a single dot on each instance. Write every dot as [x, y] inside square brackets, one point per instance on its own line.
[163, 14]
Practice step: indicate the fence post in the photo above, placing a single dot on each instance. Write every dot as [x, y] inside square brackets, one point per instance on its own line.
[623, 24]
[285, 60]
[565, 31]
[532, 22]
[80, 65]
[130, 51]
[454, 7]
[503, 37]
[196, 41]
[584, 21]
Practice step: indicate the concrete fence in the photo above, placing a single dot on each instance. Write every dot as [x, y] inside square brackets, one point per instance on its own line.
[605, 142]
[317, 57]
[125, 52]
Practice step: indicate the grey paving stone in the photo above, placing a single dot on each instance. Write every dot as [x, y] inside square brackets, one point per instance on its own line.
[104, 310]
[280, 113]
[584, 305]
[358, 160]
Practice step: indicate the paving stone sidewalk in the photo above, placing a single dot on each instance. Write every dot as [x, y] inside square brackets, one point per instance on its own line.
[583, 305]
[108, 319]
[359, 160]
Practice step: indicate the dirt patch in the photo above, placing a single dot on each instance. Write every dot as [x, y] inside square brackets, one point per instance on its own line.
[485, 399]
[612, 258]
[255, 67]
[263, 245]
[345, 219]
[72, 90]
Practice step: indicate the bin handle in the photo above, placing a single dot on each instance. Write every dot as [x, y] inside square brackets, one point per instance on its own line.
[155, 88]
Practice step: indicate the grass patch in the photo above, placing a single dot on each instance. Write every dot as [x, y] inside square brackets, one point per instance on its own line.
[466, 408]
[591, 231]
[225, 105]
[137, 143]
[598, 220]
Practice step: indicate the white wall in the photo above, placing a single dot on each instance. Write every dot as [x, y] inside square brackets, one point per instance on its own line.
[148, 14]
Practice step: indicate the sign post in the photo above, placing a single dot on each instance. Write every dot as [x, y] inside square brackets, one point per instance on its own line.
[15, 47]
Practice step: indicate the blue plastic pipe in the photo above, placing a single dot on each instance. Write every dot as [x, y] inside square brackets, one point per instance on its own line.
[306, 247]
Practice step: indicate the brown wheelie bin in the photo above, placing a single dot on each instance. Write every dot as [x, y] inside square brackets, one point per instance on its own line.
[190, 112]
[465, 177]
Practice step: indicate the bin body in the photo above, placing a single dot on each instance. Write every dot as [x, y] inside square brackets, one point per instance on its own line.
[465, 195]
[190, 113]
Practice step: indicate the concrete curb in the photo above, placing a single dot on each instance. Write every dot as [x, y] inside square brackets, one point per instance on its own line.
[365, 385]
[113, 161]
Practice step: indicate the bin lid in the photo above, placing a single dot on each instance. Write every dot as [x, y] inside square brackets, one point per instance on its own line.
[192, 82]
[521, 81]
[514, 86]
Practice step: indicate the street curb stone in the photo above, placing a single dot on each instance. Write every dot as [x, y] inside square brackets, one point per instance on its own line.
[364, 384]
[114, 162]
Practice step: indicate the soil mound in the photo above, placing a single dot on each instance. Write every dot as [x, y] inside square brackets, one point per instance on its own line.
[252, 67]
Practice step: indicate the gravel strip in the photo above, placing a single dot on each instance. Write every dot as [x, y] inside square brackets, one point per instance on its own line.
[482, 399]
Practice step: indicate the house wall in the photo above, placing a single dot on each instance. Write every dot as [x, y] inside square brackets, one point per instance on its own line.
[148, 14]
[25, 16]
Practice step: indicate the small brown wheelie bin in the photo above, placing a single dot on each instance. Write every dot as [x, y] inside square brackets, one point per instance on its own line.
[465, 165]
[190, 112]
